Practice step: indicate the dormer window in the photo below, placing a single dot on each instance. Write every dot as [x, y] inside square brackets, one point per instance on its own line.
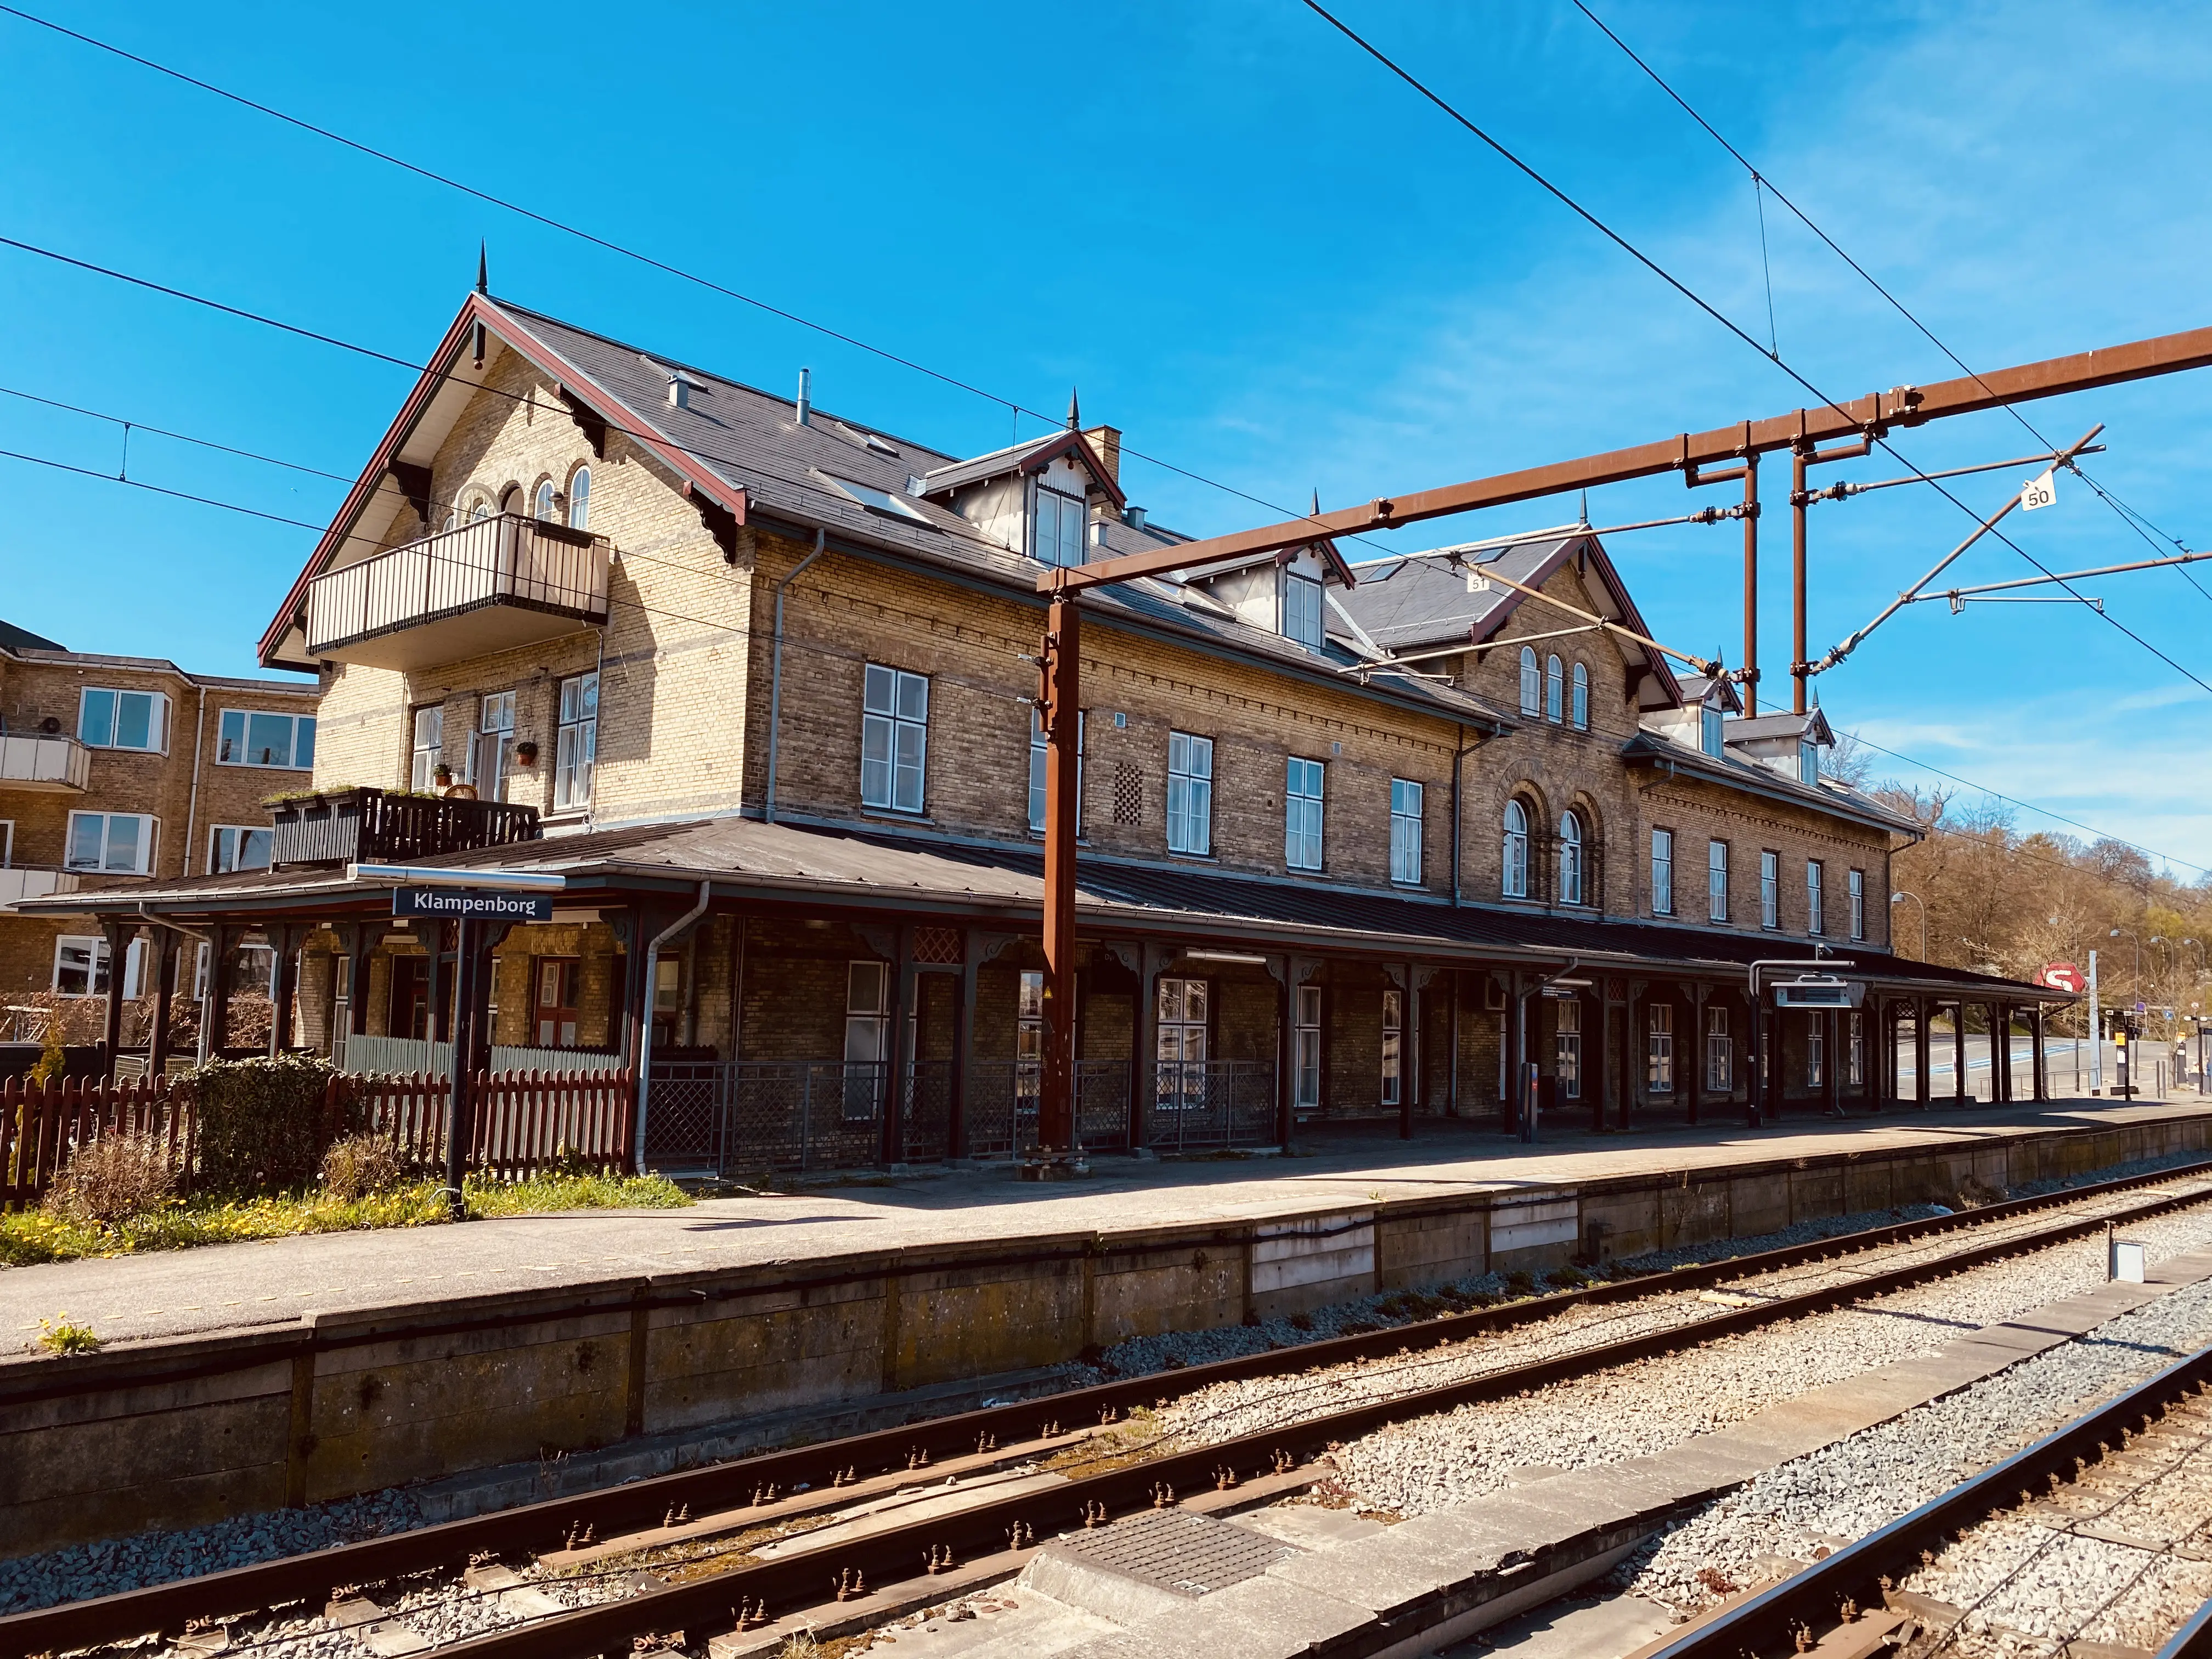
[875, 500]
[1302, 609]
[1709, 731]
[1809, 762]
[1058, 540]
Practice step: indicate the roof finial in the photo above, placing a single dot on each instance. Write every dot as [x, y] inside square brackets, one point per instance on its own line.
[1584, 520]
[1316, 513]
[484, 268]
[1074, 413]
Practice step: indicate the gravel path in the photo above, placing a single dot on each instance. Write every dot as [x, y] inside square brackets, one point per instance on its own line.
[1846, 1491]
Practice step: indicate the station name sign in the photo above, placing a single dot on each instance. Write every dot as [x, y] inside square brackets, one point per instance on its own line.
[472, 904]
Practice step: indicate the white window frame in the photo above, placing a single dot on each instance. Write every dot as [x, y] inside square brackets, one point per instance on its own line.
[1712, 735]
[1037, 754]
[7, 843]
[426, 752]
[1720, 1053]
[1659, 1048]
[1816, 897]
[1406, 819]
[1574, 886]
[1567, 1048]
[488, 748]
[1055, 528]
[1190, 794]
[1306, 1050]
[1304, 614]
[1578, 702]
[1662, 872]
[1816, 1047]
[148, 841]
[1769, 889]
[1394, 1046]
[576, 740]
[1532, 682]
[894, 740]
[1855, 884]
[1855, 1049]
[96, 970]
[544, 501]
[868, 1037]
[1182, 1039]
[1513, 873]
[1809, 762]
[104, 736]
[1304, 782]
[1555, 689]
[235, 835]
[580, 499]
[234, 746]
[1717, 881]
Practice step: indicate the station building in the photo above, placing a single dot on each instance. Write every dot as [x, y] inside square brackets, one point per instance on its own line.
[1359, 843]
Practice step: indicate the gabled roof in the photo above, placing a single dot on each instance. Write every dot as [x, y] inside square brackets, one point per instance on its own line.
[1406, 604]
[1829, 796]
[1811, 726]
[1696, 688]
[1030, 455]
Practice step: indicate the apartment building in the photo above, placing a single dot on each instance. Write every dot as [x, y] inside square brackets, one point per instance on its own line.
[117, 773]
[1357, 841]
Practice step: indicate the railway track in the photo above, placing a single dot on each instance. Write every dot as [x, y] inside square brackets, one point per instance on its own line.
[2096, 1539]
[722, 1542]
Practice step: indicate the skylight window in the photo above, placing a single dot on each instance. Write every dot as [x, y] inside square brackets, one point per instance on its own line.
[875, 500]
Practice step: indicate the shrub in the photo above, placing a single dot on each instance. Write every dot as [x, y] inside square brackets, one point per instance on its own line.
[53, 1061]
[261, 1126]
[112, 1179]
[361, 1165]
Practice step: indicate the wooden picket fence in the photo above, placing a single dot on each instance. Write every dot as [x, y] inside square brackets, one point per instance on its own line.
[526, 1123]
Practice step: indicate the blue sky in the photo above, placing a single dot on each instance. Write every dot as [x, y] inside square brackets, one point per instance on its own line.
[1252, 251]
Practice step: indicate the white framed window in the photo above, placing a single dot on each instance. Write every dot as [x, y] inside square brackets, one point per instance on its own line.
[1579, 705]
[543, 507]
[248, 736]
[1857, 883]
[1058, 538]
[576, 741]
[1816, 897]
[121, 843]
[1572, 885]
[1855, 1049]
[495, 735]
[1816, 1047]
[1711, 737]
[1405, 832]
[1301, 813]
[1662, 872]
[253, 970]
[237, 847]
[867, 1037]
[1770, 890]
[123, 720]
[558, 994]
[1190, 794]
[1531, 682]
[80, 966]
[1555, 686]
[1717, 881]
[1306, 1050]
[1720, 1053]
[1394, 1044]
[1181, 1051]
[430, 742]
[1659, 1051]
[1514, 875]
[580, 499]
[1302, 609]
[1037, 771]
[1809, 762]
[1029, 1039]
[1567, 1049]
[893, 739]
[7, 842]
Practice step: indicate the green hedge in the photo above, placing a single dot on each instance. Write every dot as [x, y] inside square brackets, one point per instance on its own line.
[263, 1125]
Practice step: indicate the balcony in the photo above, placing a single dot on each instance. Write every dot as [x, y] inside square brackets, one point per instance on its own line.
[366, 826]
[486, 587]
[18, 883]
[45, 762]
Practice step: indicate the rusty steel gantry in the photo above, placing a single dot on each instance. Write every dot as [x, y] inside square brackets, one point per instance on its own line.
[1851, 427]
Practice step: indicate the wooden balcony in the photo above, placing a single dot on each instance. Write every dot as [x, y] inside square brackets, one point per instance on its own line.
[368, 826]
[486, 587]
[44, 762]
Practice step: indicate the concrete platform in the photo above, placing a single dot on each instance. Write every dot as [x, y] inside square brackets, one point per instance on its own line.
[247, 1377]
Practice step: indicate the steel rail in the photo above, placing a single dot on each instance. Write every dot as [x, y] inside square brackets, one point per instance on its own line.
[2194, 1640]
[642, 1504]
[1770, 1621]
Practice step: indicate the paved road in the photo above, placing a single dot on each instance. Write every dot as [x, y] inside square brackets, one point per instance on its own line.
[275, 1281]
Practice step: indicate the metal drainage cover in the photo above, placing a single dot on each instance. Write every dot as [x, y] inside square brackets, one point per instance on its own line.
[1190, 1554]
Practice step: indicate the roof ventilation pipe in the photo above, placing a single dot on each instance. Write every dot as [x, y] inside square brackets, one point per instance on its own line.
[805, 405]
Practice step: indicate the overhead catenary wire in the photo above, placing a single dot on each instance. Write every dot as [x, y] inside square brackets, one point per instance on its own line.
[1821, 398]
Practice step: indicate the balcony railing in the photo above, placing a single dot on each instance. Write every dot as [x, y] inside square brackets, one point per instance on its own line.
[42, 761]
[18, 883]
[498, 583]
[368, 826]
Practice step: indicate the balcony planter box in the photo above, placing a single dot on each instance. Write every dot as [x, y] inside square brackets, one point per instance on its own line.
[368, 826]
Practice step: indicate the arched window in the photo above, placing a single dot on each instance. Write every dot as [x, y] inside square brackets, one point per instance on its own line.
[1581, 708]
[1516, 883]
[478, 509]
[543, 508]
[1531, 682]
[579, 500]
[1554, 685]
[510, 499]
[1571, 858]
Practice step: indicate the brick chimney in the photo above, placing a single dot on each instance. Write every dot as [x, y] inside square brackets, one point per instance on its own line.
[1106, 445]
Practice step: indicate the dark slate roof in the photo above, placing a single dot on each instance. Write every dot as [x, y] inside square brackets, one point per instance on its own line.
[1696, 686]
[881, 869]
[1030, 455]
[1836, 799]
[1411, 603]
[13, 638]
[1811, 723]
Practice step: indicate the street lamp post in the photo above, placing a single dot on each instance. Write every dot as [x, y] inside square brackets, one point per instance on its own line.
[2135, 939]
[1898, 898]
